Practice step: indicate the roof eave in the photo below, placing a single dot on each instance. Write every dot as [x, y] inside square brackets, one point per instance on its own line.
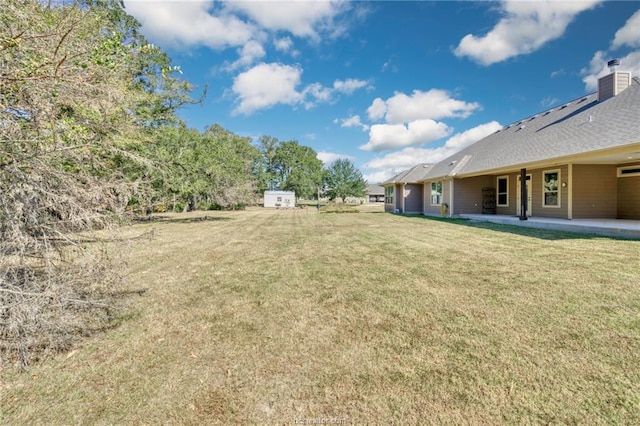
[555, 161]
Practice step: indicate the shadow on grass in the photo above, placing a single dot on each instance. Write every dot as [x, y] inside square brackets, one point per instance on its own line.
[172, 219]
[544, 234]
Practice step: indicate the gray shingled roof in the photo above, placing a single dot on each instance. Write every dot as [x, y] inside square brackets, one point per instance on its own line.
[580, 126]
[415, 174]
[373, 189]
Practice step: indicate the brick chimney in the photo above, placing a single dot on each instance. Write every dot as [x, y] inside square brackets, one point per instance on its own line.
[612, 84]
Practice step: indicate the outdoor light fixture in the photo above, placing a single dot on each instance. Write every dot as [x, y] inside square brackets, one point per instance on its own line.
[564, 184]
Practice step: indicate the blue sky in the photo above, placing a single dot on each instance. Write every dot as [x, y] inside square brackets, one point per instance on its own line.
[387, 84]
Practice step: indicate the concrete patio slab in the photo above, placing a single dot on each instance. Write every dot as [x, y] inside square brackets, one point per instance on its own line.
[605, 227]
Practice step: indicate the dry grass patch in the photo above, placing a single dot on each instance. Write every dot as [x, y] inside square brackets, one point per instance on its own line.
[268, 316]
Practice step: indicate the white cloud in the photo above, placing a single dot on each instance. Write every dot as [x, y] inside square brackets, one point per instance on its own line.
[283, 44]
[403, 159]
[189, 23]
[266, 85]
[558, 73]
[329, 157]
[380, 176]
[318, 92]
[389, 136]
[471, 136]
[377, 109]
[628, 35]
[395, 162]
[228, 24]
[353, 121]
[249, 53]
[433, 104]
[525, 28]
[349, 85]
[411, 119]
[300, 18]
[598, 67]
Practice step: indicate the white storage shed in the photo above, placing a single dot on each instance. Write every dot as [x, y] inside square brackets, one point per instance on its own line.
[283, 199]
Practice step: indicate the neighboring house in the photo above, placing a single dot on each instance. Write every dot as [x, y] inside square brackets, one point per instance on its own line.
[374, 194]
[404, 192]
[579, 160]
[279, 199]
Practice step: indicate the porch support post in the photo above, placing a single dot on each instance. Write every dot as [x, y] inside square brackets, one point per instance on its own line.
[570, 192]
[523, 194]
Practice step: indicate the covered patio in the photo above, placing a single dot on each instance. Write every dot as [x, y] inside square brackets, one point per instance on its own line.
[621, 228]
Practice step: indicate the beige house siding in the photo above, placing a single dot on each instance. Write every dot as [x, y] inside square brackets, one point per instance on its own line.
[427, 208]
[446, 196]
[467, 194]
[413, 198]
[536, 199]
[597, 193]
[390, 207]
[628, 202]
[512, 198]
[594, 191]
[398, 195]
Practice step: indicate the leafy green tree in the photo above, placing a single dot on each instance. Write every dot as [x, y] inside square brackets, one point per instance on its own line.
[265, 170]
[343, 179]
[191, 168]
[233, 159]
[297, 168]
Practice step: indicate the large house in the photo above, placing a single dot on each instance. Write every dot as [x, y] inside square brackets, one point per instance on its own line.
[577, 161]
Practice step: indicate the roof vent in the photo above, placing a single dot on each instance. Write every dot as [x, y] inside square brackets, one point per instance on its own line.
[613, 65]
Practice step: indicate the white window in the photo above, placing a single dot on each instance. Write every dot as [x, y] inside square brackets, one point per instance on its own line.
[629, 171]
[503, 191]
[551, 188]
[436, 193]
[388, 194]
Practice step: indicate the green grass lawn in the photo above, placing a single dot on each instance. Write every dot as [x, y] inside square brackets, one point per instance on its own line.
[281, 316]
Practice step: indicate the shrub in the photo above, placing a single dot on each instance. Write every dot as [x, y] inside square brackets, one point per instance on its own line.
[338, 208]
